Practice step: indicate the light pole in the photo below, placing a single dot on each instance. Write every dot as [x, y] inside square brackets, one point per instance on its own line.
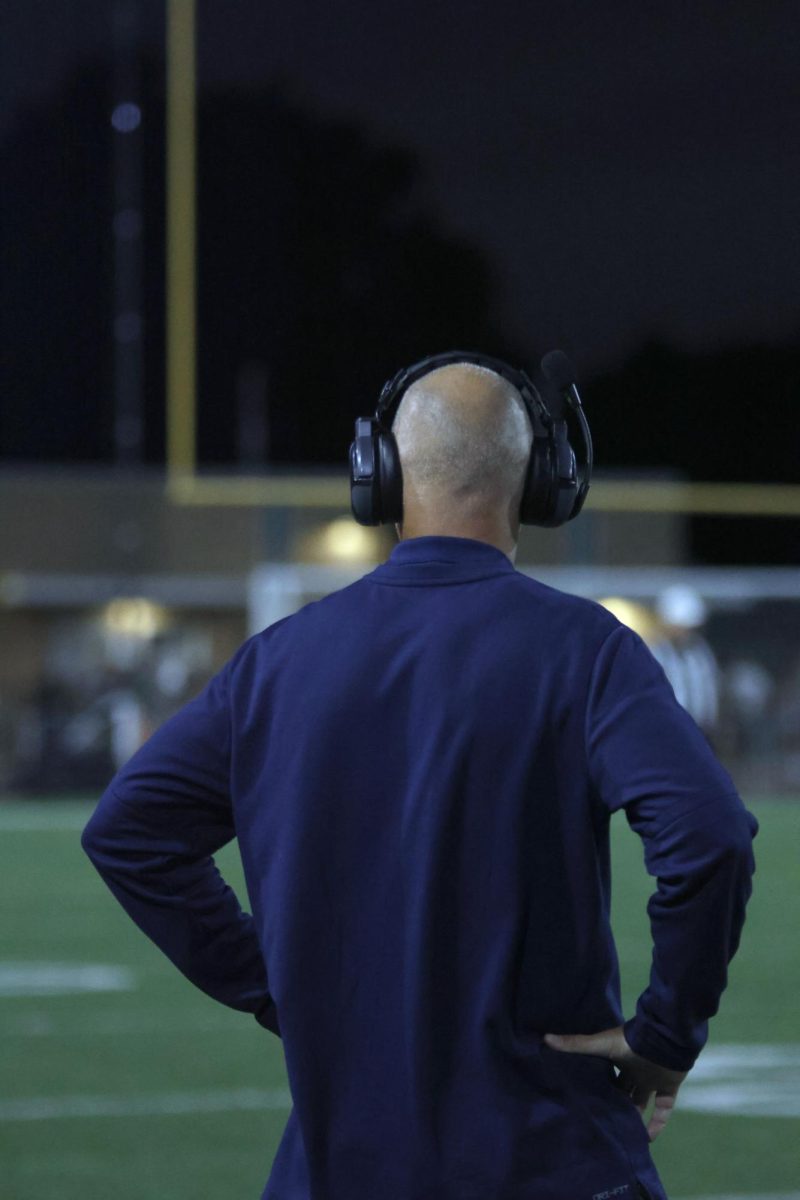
[126, 121]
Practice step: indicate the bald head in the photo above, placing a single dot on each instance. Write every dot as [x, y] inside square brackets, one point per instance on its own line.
[464, 438]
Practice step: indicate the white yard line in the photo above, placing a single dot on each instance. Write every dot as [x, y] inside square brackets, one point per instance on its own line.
[169, 1104]
[747, 1080]
[63, 978]
[717, 1060]
[760, 1080]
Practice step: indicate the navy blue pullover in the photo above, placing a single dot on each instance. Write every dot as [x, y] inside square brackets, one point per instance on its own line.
[420, 770]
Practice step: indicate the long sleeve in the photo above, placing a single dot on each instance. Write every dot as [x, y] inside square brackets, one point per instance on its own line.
[152, 837]
[647, 756]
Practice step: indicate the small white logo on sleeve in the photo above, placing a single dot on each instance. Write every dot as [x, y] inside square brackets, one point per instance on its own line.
[617, 1191]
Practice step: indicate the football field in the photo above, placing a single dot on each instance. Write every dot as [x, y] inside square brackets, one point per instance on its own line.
[119, 1079]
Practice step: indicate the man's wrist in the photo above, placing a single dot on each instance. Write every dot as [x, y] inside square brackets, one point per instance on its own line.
[657, 1047]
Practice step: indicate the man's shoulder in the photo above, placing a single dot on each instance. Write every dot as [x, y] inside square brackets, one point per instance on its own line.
[320, 609]
[555, 602]
[524, 601]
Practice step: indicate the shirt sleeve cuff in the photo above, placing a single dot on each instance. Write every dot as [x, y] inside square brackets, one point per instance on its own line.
[649, 1043]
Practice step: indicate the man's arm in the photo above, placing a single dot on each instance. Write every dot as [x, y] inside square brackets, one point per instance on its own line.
[151, 838]
[646, 755]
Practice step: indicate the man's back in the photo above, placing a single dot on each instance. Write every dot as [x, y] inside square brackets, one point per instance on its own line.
[422, 768]
[428, 864]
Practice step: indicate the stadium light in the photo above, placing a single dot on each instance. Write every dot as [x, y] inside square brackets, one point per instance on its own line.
[342, 541]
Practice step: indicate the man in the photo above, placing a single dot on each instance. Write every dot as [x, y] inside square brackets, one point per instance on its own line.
[420, 769]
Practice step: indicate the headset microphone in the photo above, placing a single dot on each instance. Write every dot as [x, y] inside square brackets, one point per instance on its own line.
[554, 488]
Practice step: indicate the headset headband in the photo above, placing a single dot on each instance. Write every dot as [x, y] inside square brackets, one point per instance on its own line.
[394, 390]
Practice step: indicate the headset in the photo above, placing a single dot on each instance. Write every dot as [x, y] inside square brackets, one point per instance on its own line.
[555, 486]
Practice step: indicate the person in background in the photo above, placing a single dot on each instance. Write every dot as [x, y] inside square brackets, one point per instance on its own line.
[687, 658]
[671, 633]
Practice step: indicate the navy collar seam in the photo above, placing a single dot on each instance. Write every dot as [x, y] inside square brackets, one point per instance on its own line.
[448, 562]
[395, 581]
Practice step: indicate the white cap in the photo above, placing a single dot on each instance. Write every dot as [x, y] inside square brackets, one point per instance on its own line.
[681, 605]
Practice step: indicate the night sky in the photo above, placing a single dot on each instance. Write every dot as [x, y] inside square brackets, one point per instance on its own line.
[616, 179]
[632, 170]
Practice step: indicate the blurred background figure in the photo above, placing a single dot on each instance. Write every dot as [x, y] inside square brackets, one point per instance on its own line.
[684, 653]
[108, 679]
[671, 630]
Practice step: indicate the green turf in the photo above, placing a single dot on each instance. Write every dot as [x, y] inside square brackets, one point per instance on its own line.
[166, 1037]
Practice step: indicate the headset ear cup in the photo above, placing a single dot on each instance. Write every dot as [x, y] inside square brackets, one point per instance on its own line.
[391, 478]
[362, 503]
[565, 492]
[364, 486]
[376, 479]
[565, 476]
[534, 507]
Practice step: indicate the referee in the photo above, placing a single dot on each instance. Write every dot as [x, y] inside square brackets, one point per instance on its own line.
[420, 770]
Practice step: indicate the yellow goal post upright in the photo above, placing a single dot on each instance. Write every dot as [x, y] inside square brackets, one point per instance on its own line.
[184, 484]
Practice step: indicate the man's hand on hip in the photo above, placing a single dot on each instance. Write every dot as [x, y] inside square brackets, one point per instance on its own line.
[639, 1077]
